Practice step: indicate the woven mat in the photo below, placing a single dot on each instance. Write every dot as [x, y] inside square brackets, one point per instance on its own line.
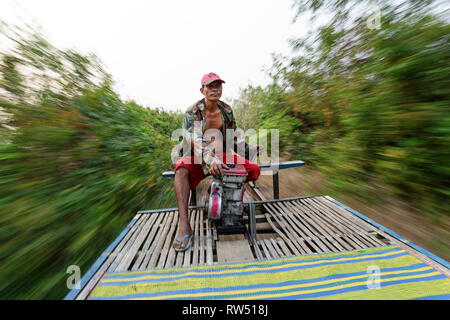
[387, 273]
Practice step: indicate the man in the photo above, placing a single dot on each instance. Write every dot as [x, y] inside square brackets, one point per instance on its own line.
[207, 115]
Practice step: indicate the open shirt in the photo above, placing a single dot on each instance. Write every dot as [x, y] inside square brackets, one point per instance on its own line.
[195, 116]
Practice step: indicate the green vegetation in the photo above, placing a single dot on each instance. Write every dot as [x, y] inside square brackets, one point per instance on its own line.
[368, 107]
[76, 163]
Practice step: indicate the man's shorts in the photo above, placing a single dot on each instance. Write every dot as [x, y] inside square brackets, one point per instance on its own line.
[196, 173]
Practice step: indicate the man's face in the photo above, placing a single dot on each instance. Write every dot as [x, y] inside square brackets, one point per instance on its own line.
[212, 91]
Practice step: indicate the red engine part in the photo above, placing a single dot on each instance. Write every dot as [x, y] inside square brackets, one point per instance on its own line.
[215, 203]
[239, 170]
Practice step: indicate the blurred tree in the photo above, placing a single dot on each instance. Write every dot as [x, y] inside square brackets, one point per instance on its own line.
[372, 104]
[75, 166]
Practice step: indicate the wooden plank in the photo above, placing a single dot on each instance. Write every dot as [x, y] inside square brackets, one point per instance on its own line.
[209, 244]
[283, 237]
[327, 229]
[349, 234]
[233, 251]
[322, 230]
[343, 218]
[231, 237]
[135, 231]
[334, 222]
[284, 248]
[344, 234]
[357, 236]
[169, 241]
[357, 232]
[266, 251]
[131, 253]
[312, 229]
[162, 239]
[202, 240]
[360, 229]
[362, 224]
[196, 238]
[304, 227]
[180, 258]
[294, 238]
[214, 232]
[295, 231]
[188, 252]
[263, 226]
[120, 255]
[262, 236]
[272, 250]
[170, 261]
[258, 253]
[144, 251]
[276, 247]
[158, 236]
[315, 227]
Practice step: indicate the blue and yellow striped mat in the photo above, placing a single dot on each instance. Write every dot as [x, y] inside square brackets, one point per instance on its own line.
[387, 272]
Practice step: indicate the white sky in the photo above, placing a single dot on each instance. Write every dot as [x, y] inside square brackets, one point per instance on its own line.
[157, 51]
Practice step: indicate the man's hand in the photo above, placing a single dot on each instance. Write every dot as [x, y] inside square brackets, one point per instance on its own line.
[215, 169]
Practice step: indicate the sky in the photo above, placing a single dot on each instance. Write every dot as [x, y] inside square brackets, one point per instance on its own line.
[157, 51]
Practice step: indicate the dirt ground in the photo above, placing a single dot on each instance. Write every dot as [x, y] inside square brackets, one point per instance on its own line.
[392, 214]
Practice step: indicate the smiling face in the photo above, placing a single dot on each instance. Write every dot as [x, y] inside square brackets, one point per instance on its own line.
[212, 91]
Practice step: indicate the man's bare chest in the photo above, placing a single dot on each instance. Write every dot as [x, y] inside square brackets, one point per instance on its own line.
[214, 121]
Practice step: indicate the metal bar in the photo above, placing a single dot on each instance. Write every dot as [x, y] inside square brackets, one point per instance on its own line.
[193, 197]
[281, 165]
[252, 223]
[277, 200]
[168, 209]
[276, 187]
[264, 167]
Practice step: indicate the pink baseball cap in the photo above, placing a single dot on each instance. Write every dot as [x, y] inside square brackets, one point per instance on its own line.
[210, 77]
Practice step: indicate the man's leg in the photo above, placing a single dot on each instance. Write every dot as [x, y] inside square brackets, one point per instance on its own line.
[253, 171]
[188, 175]
[182, 190]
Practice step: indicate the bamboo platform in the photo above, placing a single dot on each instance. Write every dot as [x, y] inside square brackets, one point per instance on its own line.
[308, 225]
[286, 227]
[301, 226]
